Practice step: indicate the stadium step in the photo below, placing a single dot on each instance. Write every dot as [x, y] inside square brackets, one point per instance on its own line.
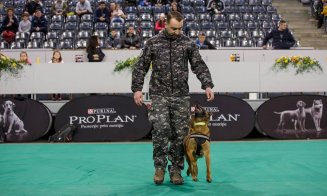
[300, 22]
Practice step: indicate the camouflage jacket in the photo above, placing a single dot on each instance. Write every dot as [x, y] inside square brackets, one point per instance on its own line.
[169, 57]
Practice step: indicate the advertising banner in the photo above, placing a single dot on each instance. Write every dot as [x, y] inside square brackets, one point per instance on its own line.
[104, 118]
[232, 118]
[23, 120]
[293, 117]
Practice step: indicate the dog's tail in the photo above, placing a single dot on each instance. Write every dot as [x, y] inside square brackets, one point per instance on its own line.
[277, 112]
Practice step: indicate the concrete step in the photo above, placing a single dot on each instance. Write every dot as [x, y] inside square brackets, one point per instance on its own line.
[309, 34]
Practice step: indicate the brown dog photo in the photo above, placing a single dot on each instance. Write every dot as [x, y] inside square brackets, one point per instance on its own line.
[197, 142]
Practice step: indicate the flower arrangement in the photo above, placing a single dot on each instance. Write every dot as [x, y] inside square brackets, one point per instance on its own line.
[126, 64]
[301, 64]
[9, 65]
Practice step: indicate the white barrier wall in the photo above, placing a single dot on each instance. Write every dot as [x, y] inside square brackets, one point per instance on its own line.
[251, 74]
[100, 78]
[221, 55]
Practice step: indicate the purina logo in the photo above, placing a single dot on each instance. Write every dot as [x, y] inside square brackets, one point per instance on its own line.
[208, 109]
[101, 111]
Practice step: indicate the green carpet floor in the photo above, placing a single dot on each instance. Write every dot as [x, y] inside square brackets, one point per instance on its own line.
[239, 168]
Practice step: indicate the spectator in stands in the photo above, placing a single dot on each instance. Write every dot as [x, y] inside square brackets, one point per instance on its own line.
[59, 7]
[32, 6]
[215, 7]
[131, 3]
[114, 40]
[161, 23]
[175, 7]
[116, 14]
[9, 26]
[282, 37]
[23, 58]
[102, 13]
[25, 24]
[145, 3]
[160, 2]
[203, 43]
[131, 40]
[322, 12]
[56, 58]
[39, 23]
[94, 52]
[83, 7]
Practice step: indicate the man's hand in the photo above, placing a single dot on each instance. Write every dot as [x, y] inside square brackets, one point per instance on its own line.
[210, 95]
[138, 98]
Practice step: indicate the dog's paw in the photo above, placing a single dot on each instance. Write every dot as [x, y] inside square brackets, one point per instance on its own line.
[195, 179]
[209, 180]
[188, 172]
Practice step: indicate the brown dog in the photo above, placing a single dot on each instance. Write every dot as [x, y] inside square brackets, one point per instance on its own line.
[197, 142]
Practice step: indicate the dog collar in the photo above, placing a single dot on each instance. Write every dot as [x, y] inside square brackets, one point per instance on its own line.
[199, 124]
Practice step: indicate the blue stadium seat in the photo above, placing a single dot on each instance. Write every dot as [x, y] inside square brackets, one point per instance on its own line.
[85, 26]
[157, 9]
[189, 17]
[66, 44]
[83, 35]
[34, 44]
[57, 18]
[18, 45]
[204, 17]
[245, 42]
[266, 2]
[130, 9]
[185, 2]
[101, 26]
[73, 18]
[187, 9]
[234, 17]
[146, 25]
[50, 44]
[271, 9]
[229, 42]
[146, 17]
[4, 45]
[258, 9]
[245, 9]
[221, 25]
[87, 18]
[144, 10]
[131, 17]
[248, 17]
[200, 9]
[116, 25]
[239, 2]
[81, 44]
[241, 33]
[147, 33]
[71, 26]
[56, 26]
[199, 3]
[219, 17]
[226, 34]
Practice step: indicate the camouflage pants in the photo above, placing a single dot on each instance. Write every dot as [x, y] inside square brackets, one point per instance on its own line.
[170, 119]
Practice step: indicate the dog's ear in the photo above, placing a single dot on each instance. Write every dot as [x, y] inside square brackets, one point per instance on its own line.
[13, 105]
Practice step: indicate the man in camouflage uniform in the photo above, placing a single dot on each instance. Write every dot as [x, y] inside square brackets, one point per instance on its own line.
[169, 53]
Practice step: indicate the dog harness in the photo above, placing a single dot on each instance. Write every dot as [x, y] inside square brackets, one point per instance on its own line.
[199, 138]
